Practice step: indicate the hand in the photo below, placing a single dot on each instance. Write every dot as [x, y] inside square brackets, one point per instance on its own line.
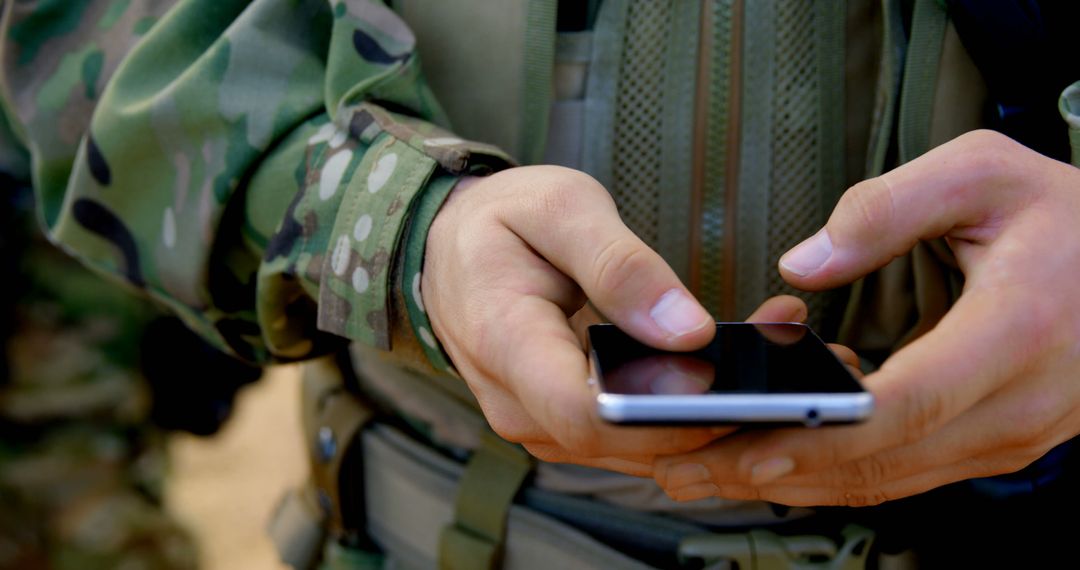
[509, 259]
[989, 390]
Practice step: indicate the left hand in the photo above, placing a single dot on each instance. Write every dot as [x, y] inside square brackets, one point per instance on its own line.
[993, 387]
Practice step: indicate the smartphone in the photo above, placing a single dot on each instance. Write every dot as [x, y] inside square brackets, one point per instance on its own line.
[776, 373]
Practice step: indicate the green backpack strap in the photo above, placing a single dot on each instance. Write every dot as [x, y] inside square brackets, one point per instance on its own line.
[486, 491]
[928, 25]
[490, 65]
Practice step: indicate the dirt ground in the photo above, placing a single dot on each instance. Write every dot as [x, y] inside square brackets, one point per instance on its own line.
[225, 487]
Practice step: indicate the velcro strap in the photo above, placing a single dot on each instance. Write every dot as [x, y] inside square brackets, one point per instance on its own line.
[492, 478]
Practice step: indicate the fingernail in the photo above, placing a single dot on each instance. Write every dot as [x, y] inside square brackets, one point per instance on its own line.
[678, 314]
[808, 255]
[771, 469]
[686, 474]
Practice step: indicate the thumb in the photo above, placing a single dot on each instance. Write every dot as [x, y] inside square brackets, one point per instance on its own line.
[960, 184]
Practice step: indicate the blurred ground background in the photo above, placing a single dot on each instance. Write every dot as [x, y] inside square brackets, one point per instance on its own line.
[224, 488]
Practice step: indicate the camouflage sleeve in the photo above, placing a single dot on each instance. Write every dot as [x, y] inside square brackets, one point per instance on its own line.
[252, 165]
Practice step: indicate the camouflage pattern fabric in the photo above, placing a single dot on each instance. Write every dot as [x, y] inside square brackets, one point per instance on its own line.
[229, 158]
[80, 468]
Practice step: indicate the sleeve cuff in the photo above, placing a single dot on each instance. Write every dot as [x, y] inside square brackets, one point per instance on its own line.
[426, 209]
[356, 270]
[394, 178]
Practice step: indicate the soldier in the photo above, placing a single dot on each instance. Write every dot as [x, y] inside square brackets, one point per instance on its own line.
[277, 174]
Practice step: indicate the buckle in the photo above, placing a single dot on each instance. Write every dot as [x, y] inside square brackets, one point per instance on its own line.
[763, 549]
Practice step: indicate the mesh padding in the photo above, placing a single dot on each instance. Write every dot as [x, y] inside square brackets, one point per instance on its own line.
[638, 118]
[713, 221]
[795, 204]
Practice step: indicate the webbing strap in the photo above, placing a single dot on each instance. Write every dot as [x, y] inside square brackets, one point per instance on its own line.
[537, 85]
[486, 490]
[920, 78]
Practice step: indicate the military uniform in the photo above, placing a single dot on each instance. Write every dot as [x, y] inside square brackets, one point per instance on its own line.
[268, 170]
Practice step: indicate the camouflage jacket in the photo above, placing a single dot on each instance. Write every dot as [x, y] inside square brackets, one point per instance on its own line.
[250, 164]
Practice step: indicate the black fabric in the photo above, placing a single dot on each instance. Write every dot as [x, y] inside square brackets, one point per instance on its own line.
[576, 15]
[1025, 51]
[192, 384]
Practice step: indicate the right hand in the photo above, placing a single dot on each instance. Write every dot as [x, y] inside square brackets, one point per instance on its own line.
[509, 259]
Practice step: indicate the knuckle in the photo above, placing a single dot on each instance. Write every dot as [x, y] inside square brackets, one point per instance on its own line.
[554, 202]
[618, 262]
[563, 191]
[871, 204]
[983, 143]
[985, 153]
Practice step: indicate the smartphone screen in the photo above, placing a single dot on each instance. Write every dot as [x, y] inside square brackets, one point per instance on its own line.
[773, 372]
